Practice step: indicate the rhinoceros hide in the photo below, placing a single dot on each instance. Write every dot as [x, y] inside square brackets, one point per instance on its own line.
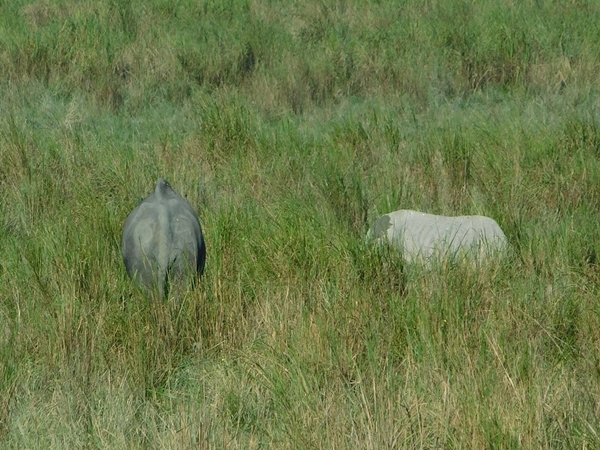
[422, 236]
[162, 240]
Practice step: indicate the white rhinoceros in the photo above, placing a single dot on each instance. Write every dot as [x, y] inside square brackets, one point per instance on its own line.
[162, 240]
[421, 236]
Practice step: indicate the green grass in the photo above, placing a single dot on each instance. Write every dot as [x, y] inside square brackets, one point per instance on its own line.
[290, 127]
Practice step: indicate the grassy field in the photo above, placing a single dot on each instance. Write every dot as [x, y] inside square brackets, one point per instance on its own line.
[290, 127]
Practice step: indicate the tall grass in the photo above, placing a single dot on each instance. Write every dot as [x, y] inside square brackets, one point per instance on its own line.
[290, 127]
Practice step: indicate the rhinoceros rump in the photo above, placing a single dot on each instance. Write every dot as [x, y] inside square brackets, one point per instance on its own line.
[162, 240]
[422, 236]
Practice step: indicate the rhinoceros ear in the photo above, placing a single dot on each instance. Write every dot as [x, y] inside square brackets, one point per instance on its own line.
[163, 188]
[381, 225]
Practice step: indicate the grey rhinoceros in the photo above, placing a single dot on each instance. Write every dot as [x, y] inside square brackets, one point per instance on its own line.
[162, 240]
[421, 236]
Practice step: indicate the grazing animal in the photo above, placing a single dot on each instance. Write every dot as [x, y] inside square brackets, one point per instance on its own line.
[162, 240]
[422, 236]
